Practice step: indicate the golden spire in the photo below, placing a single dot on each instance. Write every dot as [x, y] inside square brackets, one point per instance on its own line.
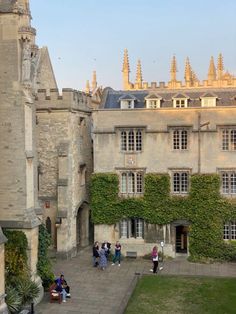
[212, 70]
[126, 70]
[126, 62]
[220, 67]
[139, 78]
[188, 71]
[173, 69]
[94, 81]
[87, 89]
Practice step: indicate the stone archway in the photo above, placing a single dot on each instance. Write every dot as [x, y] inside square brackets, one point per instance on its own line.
[82, 225]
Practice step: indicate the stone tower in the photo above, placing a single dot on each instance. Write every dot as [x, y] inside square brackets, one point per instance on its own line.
[126, 70]
[18, 185]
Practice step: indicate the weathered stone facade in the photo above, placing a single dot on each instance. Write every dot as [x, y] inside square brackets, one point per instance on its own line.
[175, 129]
[18, 196]
[65, 165]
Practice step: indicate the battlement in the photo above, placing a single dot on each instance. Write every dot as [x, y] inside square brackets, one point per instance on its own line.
[68, 99]
[179, 84]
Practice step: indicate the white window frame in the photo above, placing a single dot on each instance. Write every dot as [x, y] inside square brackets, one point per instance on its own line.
[208, 101]
[180, 102]
[131, 140]
[228, 139]
[180, 182]
[127, 104]
[131, 183]
[153, 103]
[132, 228]
[229, 230]
[228, 182]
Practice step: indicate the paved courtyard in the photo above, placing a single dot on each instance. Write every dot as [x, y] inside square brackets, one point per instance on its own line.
[107, 292]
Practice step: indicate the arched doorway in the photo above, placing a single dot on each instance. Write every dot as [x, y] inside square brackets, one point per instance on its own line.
[82, 225]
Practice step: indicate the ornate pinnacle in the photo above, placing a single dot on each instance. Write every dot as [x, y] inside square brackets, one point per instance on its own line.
[220, 67]
[87, 89]
[94, 80]
[173, 69]
[212, 70]
[188, 71]
[139, 78]
[126, 62]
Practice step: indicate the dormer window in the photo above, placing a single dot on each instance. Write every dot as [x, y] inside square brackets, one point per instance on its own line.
[127, 101]
[208, 100]
[180, 101]
[153, 101]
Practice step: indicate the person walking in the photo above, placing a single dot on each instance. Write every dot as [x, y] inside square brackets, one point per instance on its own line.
[117, 254]
[155, 259]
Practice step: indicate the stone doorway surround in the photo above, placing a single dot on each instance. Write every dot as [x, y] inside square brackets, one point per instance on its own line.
[181, 238]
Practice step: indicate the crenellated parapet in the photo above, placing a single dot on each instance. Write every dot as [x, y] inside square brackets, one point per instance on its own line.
[216, 78]
[69, 99]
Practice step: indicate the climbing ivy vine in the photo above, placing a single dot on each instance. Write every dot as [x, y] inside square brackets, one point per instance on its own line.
[204, 207]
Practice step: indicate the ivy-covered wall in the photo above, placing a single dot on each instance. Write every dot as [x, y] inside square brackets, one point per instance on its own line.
[204, 207]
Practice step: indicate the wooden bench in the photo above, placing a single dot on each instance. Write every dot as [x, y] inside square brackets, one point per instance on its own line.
[131, 254]
[54, 295]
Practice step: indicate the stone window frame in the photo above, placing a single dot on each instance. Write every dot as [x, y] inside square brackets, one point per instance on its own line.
[228, 181]
[180, 138]
[131, 140]
[131, 228]
[183, 177]
[131, 182]
[228, 138]
[229, 230]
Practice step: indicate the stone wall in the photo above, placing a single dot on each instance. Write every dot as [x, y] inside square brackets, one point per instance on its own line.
[157, 154]
[65, 162]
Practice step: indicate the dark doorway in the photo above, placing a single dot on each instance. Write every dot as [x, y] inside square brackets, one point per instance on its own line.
[181, 244]
[49, 225]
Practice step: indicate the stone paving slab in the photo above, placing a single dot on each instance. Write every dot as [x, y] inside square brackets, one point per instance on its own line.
[95, 291]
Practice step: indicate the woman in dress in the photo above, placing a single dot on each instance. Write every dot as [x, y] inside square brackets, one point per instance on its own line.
[103, 258]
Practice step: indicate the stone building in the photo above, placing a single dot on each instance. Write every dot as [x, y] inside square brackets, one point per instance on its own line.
[46, 156]
[18, 169]
[65, 165]
[178, 129]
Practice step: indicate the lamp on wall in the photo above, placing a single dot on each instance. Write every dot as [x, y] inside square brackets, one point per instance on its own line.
[58, 222]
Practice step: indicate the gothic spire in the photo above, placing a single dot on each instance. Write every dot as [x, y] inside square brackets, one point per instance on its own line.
[220, 67]
[126, 62]
[87, 89]
[139, 78]
[173, 69]
[212, 70]
[188, 71]
[126, 70]
[94, 81]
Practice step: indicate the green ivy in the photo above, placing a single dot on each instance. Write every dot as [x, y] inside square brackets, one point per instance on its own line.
[204, 207]
[44, 265]
[15, 254]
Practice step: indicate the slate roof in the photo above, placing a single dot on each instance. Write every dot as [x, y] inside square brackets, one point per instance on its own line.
[7, 5]
[225, 97]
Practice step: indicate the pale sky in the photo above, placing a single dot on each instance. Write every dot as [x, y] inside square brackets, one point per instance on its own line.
[87, 35]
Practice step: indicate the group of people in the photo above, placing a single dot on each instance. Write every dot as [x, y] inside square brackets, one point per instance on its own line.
[101, 254]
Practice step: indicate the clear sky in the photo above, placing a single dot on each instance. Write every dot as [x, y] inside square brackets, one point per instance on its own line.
[87, 35]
